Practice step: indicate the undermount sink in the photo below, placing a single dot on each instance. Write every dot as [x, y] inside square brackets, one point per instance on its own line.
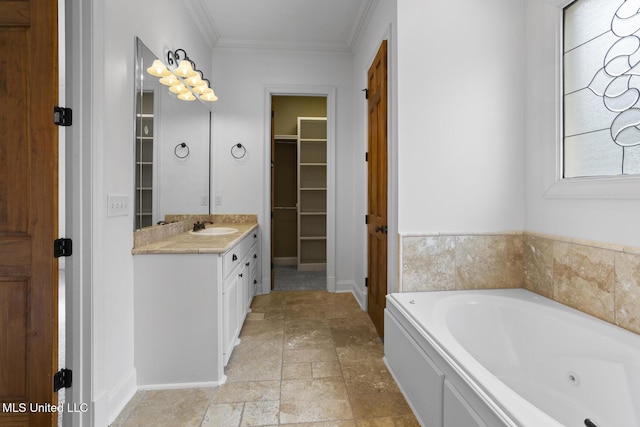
[214, 231]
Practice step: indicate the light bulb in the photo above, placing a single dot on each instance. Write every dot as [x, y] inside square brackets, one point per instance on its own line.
[185, 69]
[209, 95]
[194, 80]
[158, 69]
[169, 80]
[179, 88]
[202, 88]
[187, 96]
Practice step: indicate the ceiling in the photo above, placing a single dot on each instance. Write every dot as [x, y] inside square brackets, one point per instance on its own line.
[325, 25]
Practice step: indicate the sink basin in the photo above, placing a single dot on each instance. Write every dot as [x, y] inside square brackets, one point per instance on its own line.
[214, 231]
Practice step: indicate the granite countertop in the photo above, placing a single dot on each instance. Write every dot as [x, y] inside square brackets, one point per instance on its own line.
[175, 238]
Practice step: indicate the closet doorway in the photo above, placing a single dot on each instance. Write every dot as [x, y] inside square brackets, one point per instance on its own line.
[299, 192]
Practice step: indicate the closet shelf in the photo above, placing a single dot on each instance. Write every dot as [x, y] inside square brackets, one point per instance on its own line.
[312, 193]
[285, 137]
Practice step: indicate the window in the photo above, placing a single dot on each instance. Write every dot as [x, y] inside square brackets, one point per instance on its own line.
[601, 56]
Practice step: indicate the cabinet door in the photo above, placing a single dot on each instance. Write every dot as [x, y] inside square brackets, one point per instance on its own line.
[253, 276]
[230, 315]
[242, 279]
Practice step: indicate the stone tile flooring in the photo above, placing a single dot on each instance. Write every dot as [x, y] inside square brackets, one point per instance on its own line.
[306, 359]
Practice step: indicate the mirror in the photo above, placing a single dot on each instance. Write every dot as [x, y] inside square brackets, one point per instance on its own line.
[172, 149]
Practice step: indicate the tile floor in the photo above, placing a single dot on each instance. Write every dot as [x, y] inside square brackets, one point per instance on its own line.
[306, 359]
[289, 278]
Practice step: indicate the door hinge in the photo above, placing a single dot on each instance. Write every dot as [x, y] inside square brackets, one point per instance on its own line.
[62, 379]
[366, 219]
[62, 248]
[62, 116]
[366, 93]
[366, 156]
[366, 282]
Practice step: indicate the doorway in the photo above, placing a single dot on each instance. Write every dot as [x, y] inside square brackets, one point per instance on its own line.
[299, 192]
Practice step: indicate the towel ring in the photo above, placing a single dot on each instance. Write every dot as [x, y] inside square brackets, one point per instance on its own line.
[238, 148]
[181, 151]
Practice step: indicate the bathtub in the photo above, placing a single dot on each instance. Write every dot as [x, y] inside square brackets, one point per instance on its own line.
[510, 358]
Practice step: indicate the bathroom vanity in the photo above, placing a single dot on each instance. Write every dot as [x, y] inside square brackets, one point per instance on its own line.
[192, 292]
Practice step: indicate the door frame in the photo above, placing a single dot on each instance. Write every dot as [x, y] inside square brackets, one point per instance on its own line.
[80, 65]
[301, 90]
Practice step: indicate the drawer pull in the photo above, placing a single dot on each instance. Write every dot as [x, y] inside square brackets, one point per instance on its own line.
[255, 236]
[255, 256]
[240, 274]
[234, 257]
[247, 264]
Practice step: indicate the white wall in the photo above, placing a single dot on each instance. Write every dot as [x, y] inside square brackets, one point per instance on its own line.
[115, 24]
[240, 79]
[381, 26]
[575, 211]
[460, 116]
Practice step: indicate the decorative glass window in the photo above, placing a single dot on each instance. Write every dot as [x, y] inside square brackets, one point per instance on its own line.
[601, 56]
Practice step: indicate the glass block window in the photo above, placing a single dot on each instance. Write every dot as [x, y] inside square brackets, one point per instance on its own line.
[601, 90]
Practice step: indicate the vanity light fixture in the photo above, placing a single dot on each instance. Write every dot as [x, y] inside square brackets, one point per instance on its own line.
[158, 69]
[186, 80]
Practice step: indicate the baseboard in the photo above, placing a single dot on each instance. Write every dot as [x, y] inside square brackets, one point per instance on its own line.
[360, 295]
[119, 397]
[351, 286]
[345, 286]
[285, 261]
[100, 410]
[184, 385]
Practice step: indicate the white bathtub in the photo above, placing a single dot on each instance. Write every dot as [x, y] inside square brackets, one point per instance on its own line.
[512, 358]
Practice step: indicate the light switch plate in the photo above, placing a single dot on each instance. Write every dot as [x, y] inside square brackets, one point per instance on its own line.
[117, 205]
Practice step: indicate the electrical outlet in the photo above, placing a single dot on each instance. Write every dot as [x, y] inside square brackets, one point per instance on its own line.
[117, 205]
[218, 199]
[204, 200]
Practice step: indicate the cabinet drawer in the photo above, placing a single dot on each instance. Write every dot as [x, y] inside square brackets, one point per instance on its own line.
[237, 254]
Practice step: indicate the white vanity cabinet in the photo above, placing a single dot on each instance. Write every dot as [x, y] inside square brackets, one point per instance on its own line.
[188, 312]
[239, 272]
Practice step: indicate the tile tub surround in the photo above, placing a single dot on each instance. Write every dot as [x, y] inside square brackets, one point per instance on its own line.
[452, 262]
[306, 358]
[178, 224]
[599, 279]
[596, 278]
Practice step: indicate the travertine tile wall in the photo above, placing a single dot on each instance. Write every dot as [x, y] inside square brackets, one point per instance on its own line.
[447, 262]
[599, 279]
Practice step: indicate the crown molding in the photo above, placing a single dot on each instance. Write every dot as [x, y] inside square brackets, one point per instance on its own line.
[292, 47]
[362, 20]
[559, 3]
[204, 21]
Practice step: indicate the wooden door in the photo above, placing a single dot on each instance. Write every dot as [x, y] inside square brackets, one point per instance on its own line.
[377, 188]
[28, 211]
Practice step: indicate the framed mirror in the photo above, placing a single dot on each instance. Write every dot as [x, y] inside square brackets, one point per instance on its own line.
[172, 144]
